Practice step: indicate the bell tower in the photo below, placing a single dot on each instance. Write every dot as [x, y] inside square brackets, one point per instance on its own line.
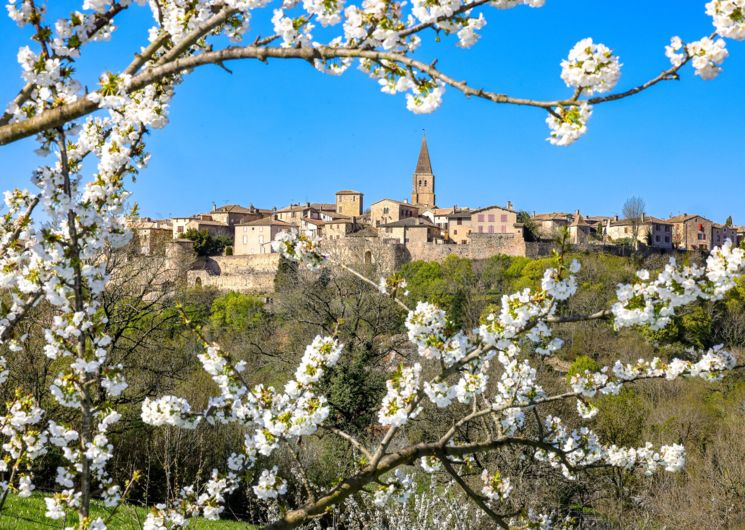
[423, 183]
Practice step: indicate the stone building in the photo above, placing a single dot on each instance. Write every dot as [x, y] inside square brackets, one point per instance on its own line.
[459, 227]
[721, 233]
[692, 232]
[349, 202]
[255, 237]
[495, 220]
[340, 228]
[439, 217]
[389, 211]
[150, 236]
[410, 230]
[652, 232]
[231, 214]
[550, 224]
[295, 213]
[580, 231]
[423, 180]
[200, 223]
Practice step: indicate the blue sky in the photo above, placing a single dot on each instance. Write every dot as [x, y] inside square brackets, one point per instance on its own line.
[280, 133]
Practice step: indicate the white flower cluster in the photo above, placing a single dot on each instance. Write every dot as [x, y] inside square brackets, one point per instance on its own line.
[706, 56]
[426, 329]
[269, 485]
[729, 17]
[568, 123]
[399, 403]
[398, 490]
[581, 447]
[653, 302]
[591, 67]
[508, 4]
[496, 487]
[300, 248]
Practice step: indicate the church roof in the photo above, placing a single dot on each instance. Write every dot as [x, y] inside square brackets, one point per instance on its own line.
[423, 165]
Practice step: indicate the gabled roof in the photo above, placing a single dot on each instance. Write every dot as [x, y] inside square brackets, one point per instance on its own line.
[316, 222]
[265, 221]
[460, 214]
[648, 219]
[234, 208]
[684, 218]
[410, 222]
[209, 222]
[408, 204]
[324, 206]
[552, 216]
[423, 164]
[493, 206]
[297, 208]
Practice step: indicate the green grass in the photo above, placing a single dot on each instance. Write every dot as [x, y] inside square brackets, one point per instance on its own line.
[28, 514]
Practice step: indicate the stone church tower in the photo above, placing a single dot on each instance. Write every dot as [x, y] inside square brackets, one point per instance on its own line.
[423, 189]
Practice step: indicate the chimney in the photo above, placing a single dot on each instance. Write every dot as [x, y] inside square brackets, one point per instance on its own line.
[642, 217]
[406, 201]
[615, 218]
[509, 205]
[577, 212]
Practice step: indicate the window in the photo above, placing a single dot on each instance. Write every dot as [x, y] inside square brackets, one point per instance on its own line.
[460, 222]
[481, 229]
[667, 239]
[180, 229]
[455, 232]
[261, 240]
[490, 217]
[700, 236]
[504, 229]
[657, 239]
[481, 218]
[245, 229]
[385, 210]
[504, 218]
[245, 239]
[425, 182]
[491, 229]
[667, 228]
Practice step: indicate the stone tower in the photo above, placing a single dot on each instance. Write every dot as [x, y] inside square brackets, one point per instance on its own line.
[423, 188]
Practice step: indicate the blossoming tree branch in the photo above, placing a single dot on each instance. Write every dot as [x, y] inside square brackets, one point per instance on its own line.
[52, 240]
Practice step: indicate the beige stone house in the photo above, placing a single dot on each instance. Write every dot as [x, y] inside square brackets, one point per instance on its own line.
[150, 236]
[255, 237]
[495, 220]
[410, 230]
[200, 223]
[459, 227]
[439, 217]
[231, 214]
[549, 225]
[349, 202]
[312, 227]
[340, 228]
[721, 233]
[295, 213]
[652, 232]
[580, 231]
[692, 232]
[389, 211]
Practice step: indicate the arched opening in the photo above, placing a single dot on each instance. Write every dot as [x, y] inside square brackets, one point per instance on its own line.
[198, 282]
[368, 257]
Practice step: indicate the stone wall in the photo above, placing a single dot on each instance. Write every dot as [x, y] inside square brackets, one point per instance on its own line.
[482, 246]
[246, 274]
[385, 255]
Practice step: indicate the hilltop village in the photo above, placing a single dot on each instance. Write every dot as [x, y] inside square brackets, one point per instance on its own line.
[391, 232]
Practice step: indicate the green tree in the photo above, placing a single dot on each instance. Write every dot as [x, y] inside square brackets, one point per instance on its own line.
[205, 244]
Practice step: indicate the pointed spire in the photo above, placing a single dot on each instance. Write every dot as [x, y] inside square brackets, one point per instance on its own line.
[423, 165]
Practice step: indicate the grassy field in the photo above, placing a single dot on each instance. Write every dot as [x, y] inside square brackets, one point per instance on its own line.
[28, 514]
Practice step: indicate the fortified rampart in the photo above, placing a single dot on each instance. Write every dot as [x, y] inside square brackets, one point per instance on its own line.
[246, 274]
